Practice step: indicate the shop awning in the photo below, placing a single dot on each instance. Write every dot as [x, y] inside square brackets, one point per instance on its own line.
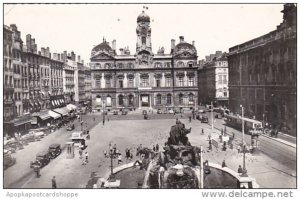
[61, 111]
[44, 115]
[54, 115]
[22, 120]
[71, 107]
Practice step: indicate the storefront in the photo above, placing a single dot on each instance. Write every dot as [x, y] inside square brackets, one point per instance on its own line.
[17, 125]
[56, 117]
[42, 118]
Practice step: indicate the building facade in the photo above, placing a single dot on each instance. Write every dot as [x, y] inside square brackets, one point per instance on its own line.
[69, 79]
[262, 75]
[213, 80]
[88, 84]
[144, 79]
[8, 97]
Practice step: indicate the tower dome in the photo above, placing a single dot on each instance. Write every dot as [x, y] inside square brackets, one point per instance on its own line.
[143, 17]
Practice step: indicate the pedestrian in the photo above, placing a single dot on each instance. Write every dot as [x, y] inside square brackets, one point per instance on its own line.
[239, 149]
[131, 155]
[94, 119]
[157, 147]
[190, 119]
[154, 149]
[107, 118]
[120, 158]
[223, 164]
[80, 152]
[202, 131]
[103, 122]
[86, 157]
[105, 153]
[53, 183]
[127, 153]
[240, 170]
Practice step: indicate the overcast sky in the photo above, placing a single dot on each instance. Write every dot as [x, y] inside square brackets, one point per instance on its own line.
[79, 27]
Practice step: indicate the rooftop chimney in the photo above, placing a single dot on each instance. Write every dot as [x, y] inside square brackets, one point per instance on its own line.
[58, 56]
[78, 59]
[73, 56]
[48, 52]
[181, 39]
[28, 42]
[122, 51]
[218, 54]
[43, 51]
[172, 44]
[114, 45]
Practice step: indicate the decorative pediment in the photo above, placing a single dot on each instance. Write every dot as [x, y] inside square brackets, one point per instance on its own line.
[180, 74]
[130, 76]
[144, 75]
[102, 56]
[120, 76]
[168, 75]
[157, 75]
[186, 55]
[108, 76]
[190, 74]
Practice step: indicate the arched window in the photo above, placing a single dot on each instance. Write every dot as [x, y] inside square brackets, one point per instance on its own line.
[121, 100]
[180, 64]
[130, 99]
[180, 98]
[191, 98]
[169, 99]
[108, 100]
[158, 99]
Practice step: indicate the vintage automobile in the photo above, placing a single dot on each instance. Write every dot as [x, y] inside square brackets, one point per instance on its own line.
[124, 112]
[115, 112]
[54, 150]
[79, 138]
[71, 127]
[8, 160]
[204, 119]
[159, 111]
[170, 111]
[28, 138]
[42, 159]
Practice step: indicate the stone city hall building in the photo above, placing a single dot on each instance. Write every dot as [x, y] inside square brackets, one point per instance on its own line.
[144, 79]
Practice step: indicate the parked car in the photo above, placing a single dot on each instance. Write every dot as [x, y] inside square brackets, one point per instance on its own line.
[42, 159]
[37, 134]
[54, 150]
[204, 119]
[115, 112]
[170, 111]
[71, 127]
[159, 111]
[201, 111]
[124, 112]
[28, 138]
[144, 112]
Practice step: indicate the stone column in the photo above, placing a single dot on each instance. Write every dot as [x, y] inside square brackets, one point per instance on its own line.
[185, 80]
[163, 80]
[125, 81]
[102, 81]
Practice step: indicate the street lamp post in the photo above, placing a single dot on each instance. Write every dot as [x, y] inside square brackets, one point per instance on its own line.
[212, 116]
[244, 174]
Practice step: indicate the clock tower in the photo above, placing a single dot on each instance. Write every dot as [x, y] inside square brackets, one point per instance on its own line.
[143, 32]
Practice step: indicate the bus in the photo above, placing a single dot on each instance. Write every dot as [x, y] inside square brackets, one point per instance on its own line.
[251, 126]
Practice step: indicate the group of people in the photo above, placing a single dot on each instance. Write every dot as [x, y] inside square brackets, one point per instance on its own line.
[86, 156]
[155, 148]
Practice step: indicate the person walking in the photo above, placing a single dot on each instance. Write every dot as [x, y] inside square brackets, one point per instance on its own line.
[240, 169]
[120, 158]
[80, 152]
[224, 164]
[202, 131]
[190, 119]
[154, 149]
[86, 157]
[157, 147]
[54, 183]
[103, 121]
